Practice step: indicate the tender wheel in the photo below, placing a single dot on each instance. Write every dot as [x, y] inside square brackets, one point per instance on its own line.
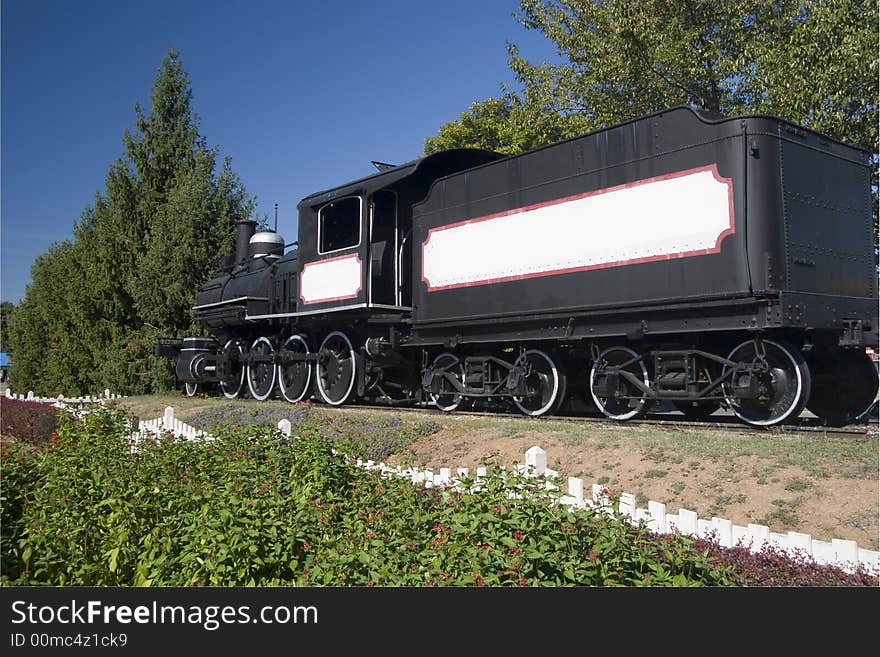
[783, 388]
[844, 387]
[545, 385]
[232, 377]
[698, 410]
[261, 373]
[190, 389]
[615, 406]
[294, 376]
[337, 369]
[448, 398]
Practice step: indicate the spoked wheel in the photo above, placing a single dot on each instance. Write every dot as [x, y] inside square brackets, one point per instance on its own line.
[190, 389]
[625, 401]
[844, 387]
[697, 410]
[261, 372]
[545, 385]
[337, 369]
[232, 375]
[294, 376]
[783, 384]
[447, 398]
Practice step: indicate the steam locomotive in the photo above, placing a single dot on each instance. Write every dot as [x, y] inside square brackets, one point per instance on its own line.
[680, 257]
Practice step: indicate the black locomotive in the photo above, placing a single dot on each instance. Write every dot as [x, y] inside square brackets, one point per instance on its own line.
[706, 261]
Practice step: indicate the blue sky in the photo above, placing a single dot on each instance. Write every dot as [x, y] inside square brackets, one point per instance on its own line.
[302, 95]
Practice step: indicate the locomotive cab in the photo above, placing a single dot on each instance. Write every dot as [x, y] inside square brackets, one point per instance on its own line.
[354, 238]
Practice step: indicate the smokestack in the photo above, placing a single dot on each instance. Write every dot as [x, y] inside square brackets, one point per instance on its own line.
[246, 230]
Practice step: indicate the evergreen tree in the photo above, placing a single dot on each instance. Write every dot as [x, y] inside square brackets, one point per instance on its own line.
[96, 305]
[6, 309]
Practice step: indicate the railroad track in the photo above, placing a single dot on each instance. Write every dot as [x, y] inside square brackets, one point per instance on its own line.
[803, 425]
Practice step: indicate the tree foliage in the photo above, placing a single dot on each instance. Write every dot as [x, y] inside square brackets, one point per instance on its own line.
[811, 62]
[96, 303]
[6, 309]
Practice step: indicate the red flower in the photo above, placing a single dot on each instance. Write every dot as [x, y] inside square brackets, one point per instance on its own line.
[478, 579]
[518, 535]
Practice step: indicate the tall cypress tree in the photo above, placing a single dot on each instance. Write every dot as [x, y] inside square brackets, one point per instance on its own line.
[97, 303]
[186, 210]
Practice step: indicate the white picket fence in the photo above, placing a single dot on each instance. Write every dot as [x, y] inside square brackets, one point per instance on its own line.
[845, 554]
[167, 424]
[61, 401]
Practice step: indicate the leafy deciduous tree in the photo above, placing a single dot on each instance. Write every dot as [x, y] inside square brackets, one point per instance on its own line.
[812, 62]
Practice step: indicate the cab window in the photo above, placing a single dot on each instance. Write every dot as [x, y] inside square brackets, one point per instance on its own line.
[339, 225]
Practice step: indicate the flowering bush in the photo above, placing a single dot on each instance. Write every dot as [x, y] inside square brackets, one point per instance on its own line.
[246, 510]
[32, 422]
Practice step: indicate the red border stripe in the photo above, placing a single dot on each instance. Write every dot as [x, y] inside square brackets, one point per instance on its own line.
[713, 168]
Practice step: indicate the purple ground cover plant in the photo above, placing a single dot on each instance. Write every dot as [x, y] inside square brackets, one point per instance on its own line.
[360, 436]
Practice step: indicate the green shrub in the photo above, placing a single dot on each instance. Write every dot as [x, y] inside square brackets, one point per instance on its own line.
[18, 464]
[242, 510]
[245, 510]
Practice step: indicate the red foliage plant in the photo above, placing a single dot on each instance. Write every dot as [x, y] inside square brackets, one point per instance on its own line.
[30, 422]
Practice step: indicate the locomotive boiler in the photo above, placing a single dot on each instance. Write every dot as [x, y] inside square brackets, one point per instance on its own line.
[705, 261]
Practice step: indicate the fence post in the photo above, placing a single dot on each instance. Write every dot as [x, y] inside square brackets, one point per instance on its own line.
[168, 418]
[798, 541]
[758, 535]
[576, 489]
[627, 505]
[30, 394]
[845, 550]
[687, 521]
[536, 460]
[657, 517]
[284, 427]
[725, 531]
[601, 499]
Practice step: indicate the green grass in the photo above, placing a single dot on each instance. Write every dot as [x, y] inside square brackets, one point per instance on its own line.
[784, 515]
[655, 474]
[797, 484]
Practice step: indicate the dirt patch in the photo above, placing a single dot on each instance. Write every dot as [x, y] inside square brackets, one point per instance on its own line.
[766, 488]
